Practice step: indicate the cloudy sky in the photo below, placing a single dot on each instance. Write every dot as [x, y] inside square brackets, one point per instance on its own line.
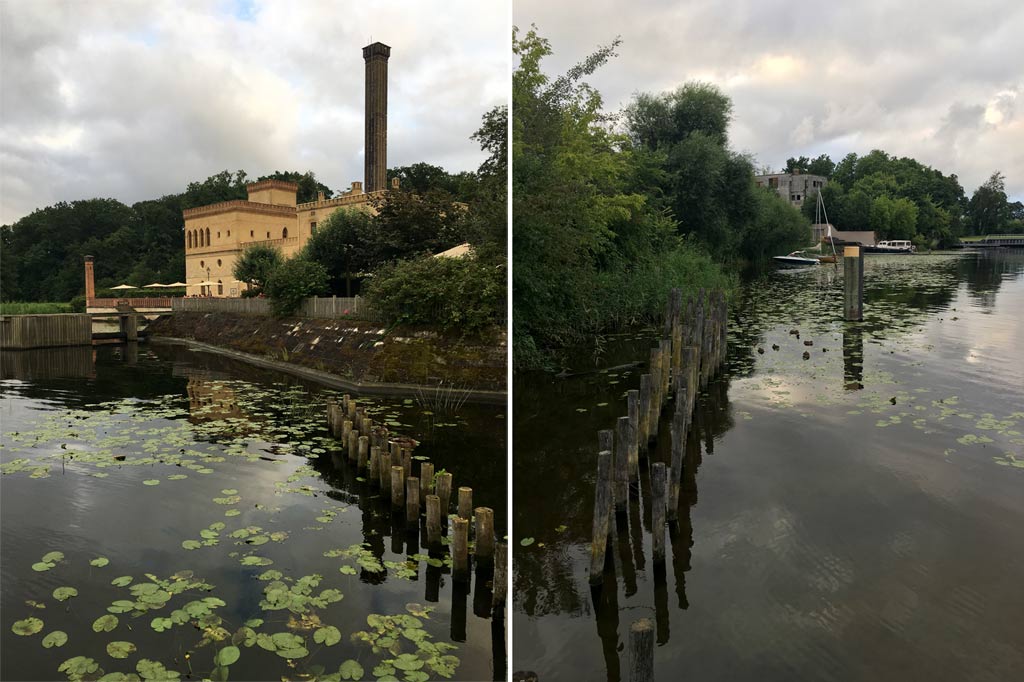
[134, 100]
[936, 80]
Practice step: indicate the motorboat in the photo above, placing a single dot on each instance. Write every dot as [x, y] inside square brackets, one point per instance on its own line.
[797, 259]
[893, 246]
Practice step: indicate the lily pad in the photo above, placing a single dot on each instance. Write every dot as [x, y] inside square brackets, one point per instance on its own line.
[121, 649]
[328, 636]
[351, 670]
[99, 562]
[55, 638]
[105, 623]
[29, 626]
[526, 542]
[64, 593]
[151, 481]
[228, 655]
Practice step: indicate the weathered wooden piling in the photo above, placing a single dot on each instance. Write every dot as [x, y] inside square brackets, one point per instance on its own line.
[641, 651]
[483, 550]
[353, 445]
[853, 284]
[426, 480]
[407, 461]
[375, 465]
[665, 355]
[678, 453]
[499, 582]
[363, 454]
[433, 521]
[412, 499]
[633, 411]
[460, 548]
[646, 389]
[351, 411]
[658, 477]
[385, 473]
[346, 429]
[397, 487]
[622, 464]
[655, 404]
[465, 502]
[444, 492]
[602, 510]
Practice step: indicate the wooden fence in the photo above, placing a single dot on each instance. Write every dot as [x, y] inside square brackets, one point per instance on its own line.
[19, 332]
[334, 307]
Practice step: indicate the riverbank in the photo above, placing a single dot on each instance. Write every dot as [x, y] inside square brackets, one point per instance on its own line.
[355, 355]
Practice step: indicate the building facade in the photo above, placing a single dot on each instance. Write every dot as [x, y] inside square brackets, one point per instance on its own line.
[793, 187]
[217, 235]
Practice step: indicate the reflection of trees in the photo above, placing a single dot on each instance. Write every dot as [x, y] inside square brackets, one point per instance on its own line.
[48, 363]
[985, 272]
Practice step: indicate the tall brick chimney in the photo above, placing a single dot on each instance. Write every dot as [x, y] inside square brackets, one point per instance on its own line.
[376, 142]
[90, 285]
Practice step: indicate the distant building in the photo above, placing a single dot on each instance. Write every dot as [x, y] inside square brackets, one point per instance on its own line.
[821, 232]
[216, 235]
[794, 187]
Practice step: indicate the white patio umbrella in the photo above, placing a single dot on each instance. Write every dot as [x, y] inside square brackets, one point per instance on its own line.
[176, 284]
[123, 286]
[154, 285]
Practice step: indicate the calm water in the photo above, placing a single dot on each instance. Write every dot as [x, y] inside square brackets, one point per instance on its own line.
[127, 453]
[858, 515]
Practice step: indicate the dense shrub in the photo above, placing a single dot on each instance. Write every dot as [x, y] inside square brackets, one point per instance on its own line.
[454, 294]
[256, 264]
[294, 280]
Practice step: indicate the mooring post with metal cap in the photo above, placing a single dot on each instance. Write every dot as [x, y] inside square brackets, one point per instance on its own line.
[853, 274]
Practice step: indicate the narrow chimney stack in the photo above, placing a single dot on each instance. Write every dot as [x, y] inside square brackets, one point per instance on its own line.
[90, 286]
[376, 142]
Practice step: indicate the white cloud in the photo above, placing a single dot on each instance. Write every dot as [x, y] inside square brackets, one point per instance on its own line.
[900, 75]
[134, 101]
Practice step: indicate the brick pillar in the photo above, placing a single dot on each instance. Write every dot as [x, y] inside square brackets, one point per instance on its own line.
[376, 141]
[90, 286]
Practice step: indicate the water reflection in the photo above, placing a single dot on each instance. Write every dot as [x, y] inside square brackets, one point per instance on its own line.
[841, 491]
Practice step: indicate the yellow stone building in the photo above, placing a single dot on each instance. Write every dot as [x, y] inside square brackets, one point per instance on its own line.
[216, 235]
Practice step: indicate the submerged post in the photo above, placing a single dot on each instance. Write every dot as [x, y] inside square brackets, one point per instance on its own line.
[602, 510]
[460, 549]
[658, 476]
[444, 493]
[853, 274]
[465, 502]
[433, 521]
[641, 651]
[484, 548]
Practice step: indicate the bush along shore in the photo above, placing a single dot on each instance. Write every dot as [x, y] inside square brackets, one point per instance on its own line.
[358, 351]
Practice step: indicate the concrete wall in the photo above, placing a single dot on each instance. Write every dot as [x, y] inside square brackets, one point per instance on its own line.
[19, 332]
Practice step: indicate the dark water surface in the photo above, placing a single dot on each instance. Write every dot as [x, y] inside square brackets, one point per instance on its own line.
[858, 515]
[127, 453]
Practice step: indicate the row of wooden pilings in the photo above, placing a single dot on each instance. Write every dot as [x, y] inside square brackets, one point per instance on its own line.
[692, 349]
[385, 460]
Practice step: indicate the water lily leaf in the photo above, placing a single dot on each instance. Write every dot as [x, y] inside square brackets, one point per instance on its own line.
[119, 677]
[55, 638]
[254, 622]
[347, 570]
[99, 562]
[120, 649]
[29, 626]
[78, 667]
[105, 623]
[328, 636]
[161, 624]
[122, 581]
[121, 606]
[228, 655]
[256, 561]
[42, 566]
[232, 512]
[154, 670]
[191, 544]
[64, 593]
[526, 542]
[407, 662]
[151, 481]
[229, 491]
[245, 635]
[351, 670]
[53, 557]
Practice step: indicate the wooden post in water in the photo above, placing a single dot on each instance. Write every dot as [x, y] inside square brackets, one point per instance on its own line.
[646, 388]
[460, 549]
[483, 550]
[853, 285]
[602, 509]
[641, 651]
[353, 445]
[412, 499]
[351, 410]
[407, 461]
[375, 465]
[385, 473]
[658, 477]
[678, 453]
[499, 583]
[465, 502]
[397, 487]
[623, 464]
[433, 521]
[655, 406]
[444, 492]
[366, 426]
[364, 452]
[346, 428]
[666, 366]
[633, 407]
[426, 480]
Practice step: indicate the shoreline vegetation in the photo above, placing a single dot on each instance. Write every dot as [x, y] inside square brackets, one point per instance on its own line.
[613, 209]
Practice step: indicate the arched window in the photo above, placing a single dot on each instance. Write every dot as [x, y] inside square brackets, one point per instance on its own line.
[202, 242]
[202, 264]
[189, 237]
[284, 233]
[218, 262]
[220, 288]
[207, 236]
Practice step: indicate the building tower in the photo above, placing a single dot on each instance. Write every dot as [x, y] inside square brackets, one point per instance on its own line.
[376, 143]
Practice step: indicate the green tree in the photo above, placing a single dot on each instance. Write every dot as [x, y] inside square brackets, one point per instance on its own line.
[988, 211]
[294, 281]
[256, 265]
[345, 245]
[309, 186]
[407, 224]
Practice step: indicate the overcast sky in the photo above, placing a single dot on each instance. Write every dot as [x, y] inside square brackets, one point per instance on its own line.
[935, 80]
[133, 100]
